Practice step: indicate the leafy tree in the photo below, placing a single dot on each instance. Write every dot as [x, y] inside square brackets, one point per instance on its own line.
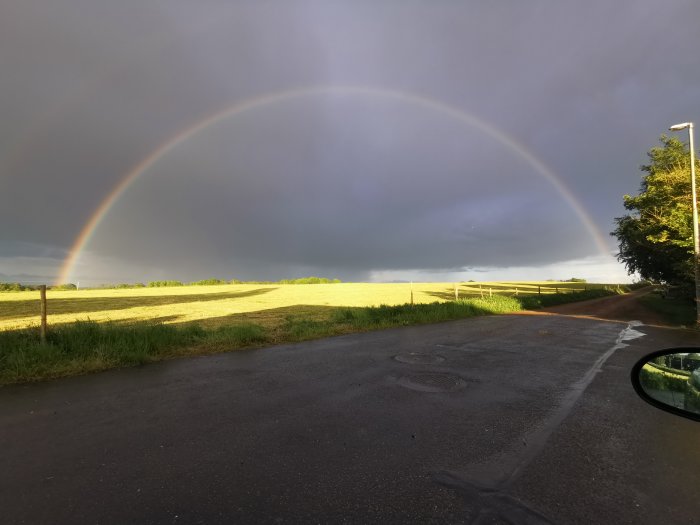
[656, 238]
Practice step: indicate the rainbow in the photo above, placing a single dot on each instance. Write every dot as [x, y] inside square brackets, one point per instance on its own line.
[282, 96]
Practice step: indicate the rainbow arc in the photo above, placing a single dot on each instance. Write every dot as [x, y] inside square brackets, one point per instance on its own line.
[251, 104]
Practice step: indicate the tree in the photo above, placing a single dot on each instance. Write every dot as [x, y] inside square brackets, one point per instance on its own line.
[656, 239]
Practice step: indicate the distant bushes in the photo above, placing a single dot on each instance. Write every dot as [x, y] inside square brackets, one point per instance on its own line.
[204, 282]
[162, 284]
[14, 287]
[208, 282]
[66, 286]
[17, 287]
[310, 280]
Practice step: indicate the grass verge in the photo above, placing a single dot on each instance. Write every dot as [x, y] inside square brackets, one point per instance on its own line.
[88, 346]
[531, 302]
[680, 312]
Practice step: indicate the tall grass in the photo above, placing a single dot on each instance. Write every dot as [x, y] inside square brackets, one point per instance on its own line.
[88, 346]
[382, 316]
[360, 319]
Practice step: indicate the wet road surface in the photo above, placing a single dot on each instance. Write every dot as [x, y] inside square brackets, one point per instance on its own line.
[508, 419]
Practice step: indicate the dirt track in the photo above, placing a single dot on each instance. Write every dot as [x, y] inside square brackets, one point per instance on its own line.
[615, 308]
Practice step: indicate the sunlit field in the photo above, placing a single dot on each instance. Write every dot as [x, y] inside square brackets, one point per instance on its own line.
[266, 304]
[93, 330]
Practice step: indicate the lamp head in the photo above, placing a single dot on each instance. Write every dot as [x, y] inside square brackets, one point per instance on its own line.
[678, 127]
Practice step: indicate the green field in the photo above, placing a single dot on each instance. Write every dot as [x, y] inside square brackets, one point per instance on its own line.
[265, 304]
[92, 330]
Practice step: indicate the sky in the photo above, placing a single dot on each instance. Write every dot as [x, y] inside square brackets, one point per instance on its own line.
[361, 140]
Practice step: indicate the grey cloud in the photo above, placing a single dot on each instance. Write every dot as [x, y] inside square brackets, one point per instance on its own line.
[338, 186]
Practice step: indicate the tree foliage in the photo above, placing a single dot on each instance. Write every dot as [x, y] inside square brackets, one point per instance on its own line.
[161, 284]
[310, 280]
[656, 238]
[14, 287]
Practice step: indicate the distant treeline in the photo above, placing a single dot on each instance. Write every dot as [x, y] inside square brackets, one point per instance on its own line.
[17, 287]
[210, 282]
[310, 280]
[14, 287]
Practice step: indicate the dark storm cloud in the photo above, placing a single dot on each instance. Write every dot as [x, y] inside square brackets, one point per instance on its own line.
[342, 186]
[364, 195]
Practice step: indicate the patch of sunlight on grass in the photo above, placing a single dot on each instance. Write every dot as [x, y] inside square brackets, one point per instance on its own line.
[134, 326]
[265, 304]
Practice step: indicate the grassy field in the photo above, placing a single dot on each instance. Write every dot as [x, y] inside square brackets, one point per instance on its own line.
[268, 305]
[92, 330]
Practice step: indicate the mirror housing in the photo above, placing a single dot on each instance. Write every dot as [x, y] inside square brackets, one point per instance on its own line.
[670, 380]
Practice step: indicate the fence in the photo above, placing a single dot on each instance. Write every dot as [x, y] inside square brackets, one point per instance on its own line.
[466, 290]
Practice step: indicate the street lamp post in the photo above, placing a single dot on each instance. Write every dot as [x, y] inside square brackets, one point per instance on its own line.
[696, 237]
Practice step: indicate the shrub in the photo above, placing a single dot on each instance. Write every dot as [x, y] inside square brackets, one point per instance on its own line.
[310, 280]
[160, 284]
[13, 287]
[208, 282]
[66, 286]
[692, 399]
[127, 285]
[656, 378]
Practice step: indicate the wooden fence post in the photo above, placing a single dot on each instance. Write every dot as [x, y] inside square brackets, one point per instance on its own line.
[539, 290]
[42, 292]
[411, 293]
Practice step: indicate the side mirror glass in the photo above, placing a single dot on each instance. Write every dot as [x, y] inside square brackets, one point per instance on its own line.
[670, 380]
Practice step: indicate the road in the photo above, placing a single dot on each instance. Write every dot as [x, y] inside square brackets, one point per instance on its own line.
[505, 419]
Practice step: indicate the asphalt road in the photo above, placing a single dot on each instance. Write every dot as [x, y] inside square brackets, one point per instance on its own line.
[508, 419]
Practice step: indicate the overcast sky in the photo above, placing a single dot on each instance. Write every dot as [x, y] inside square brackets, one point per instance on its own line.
[334, 182]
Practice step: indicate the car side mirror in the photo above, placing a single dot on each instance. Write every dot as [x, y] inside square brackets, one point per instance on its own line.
[670, 380]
